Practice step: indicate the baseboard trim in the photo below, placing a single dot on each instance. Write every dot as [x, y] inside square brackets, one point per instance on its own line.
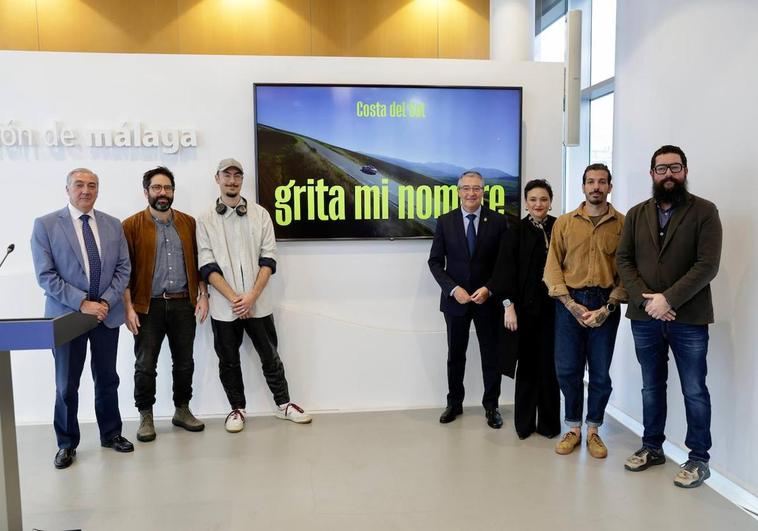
[742, 498]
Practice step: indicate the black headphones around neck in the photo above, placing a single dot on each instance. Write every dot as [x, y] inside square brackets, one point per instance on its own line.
[240, 209]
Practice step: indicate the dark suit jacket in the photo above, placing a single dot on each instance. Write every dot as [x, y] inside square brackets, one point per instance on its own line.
[59, 264]
[449, 259]
[681, 269]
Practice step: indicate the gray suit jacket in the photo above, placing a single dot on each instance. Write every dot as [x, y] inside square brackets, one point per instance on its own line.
[59, 264]
[681, 268]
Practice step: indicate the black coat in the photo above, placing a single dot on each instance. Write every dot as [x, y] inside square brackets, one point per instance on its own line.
[518, 277]
[521, 265]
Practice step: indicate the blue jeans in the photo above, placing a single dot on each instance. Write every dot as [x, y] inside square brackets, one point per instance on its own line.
[577, 346]
[689, 344]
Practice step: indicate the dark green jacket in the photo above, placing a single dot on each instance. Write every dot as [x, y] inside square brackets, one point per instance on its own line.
[681, 269]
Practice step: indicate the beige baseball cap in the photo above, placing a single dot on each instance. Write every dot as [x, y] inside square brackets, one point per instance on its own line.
[229, 163]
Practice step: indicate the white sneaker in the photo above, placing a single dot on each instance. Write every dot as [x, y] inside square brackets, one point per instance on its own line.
[293, 412]
[235, 421]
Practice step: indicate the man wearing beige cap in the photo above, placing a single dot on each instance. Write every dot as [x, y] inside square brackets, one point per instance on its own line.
[237, 256]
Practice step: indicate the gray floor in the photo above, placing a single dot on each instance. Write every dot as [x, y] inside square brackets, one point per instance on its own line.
[398, 470]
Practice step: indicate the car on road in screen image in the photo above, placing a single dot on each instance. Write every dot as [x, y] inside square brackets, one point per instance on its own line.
[370, 170]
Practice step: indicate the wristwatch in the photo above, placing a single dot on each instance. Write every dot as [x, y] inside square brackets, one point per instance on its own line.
[611, 307]
[507, 303]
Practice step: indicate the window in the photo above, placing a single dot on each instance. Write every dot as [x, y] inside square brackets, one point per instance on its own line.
[550, 45]
[603, 47]
[546, 12]
[601, 130]
[598, 71]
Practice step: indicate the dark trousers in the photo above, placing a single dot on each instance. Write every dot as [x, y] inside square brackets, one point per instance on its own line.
[227, 339]
[69, 364]
[487, 322]
[577, 347]
[537, 396]
[174, 318]
[689, 343]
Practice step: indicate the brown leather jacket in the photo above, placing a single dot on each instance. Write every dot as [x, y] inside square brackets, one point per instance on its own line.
[140, 237]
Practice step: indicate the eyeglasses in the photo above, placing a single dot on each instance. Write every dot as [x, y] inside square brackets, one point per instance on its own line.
[231, 176]
[467, 189]
[660, 169]
[155, 188]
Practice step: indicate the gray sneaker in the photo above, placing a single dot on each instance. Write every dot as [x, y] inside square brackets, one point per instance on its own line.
[644, 458]
[184, 418]
[692, 474]
[146, 430]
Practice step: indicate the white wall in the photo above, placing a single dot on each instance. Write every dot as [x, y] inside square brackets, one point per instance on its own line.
[685, 75]
[358, 321]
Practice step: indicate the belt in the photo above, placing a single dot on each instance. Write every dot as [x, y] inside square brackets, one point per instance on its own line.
[177, 295]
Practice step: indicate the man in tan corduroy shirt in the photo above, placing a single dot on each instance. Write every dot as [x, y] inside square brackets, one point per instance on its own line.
[580, 274]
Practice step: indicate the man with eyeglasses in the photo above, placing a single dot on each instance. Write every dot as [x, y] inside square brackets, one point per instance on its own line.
[164, 298]
[237, 251]
[462, 259]
[669, 252]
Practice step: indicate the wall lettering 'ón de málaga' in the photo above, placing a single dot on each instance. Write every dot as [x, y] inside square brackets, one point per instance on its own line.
[128, 135]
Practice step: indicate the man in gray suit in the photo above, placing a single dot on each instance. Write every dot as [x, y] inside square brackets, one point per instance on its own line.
[669, 252]
[82, 262]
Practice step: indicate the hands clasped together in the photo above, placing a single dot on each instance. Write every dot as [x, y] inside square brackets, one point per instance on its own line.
[97, 308]
[585, 317]
[478, 297]
[242, 305]
[658, 307]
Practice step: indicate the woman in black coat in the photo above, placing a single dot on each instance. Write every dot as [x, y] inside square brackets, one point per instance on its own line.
[530, 315]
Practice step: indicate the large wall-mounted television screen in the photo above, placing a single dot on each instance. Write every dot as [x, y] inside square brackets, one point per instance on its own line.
[361, 161]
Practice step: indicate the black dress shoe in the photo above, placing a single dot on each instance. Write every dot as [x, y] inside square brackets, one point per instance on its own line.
[64, 458]
[524, 435]
[494, 420]
[450, 413]
[119, 443]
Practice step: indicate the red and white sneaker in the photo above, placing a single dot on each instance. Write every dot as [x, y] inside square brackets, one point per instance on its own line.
[235, 421]
[293, 412]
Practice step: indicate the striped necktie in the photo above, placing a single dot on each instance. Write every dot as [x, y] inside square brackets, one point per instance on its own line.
[93, 257]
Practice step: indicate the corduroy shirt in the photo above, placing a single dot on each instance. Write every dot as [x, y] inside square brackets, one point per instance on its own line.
[583, 255]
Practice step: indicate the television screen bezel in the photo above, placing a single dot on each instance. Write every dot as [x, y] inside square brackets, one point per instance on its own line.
[518, 89]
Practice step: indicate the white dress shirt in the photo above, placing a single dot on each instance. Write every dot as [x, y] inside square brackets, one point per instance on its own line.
[477, 213]
[466, 221]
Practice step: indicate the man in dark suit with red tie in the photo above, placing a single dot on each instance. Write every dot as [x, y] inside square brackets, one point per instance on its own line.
[462, 259]
[82, 262]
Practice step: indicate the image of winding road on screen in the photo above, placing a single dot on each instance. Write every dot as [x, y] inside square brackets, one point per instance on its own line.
[381, 162]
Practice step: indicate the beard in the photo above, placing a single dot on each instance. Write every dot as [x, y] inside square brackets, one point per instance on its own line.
[596, 200]
[161, 204]
[673, 195]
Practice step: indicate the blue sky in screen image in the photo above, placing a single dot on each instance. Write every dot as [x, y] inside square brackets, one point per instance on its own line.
[462, 126]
